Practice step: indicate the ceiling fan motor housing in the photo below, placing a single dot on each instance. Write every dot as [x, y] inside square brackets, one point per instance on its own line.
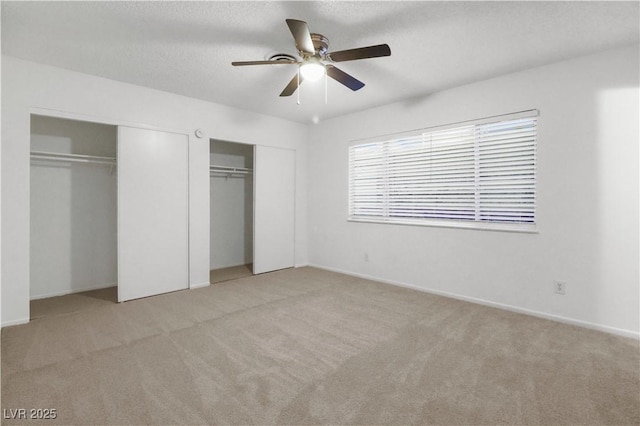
[320, 44]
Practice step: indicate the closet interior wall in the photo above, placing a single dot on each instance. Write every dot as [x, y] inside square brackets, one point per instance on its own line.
[231, 198]
[73, 228]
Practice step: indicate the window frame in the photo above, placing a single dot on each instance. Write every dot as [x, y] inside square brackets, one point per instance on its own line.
[521, 227]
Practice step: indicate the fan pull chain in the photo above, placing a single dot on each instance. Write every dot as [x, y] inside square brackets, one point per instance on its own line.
[298, 86]
[325, 88]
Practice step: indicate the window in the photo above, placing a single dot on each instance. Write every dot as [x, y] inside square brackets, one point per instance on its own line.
[480, 174]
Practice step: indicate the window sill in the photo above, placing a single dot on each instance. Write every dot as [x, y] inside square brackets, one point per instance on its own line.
[482, 226]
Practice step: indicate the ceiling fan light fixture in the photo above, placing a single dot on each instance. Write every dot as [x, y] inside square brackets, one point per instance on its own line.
[312, 71]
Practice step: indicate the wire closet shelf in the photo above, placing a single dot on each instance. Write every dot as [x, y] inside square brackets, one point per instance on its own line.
[74, 158]
[228, 171]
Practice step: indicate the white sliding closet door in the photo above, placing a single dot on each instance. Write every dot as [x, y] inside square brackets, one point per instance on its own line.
[274, 209]
[153, 251]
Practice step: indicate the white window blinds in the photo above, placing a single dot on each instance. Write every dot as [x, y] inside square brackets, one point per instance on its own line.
[483, 172]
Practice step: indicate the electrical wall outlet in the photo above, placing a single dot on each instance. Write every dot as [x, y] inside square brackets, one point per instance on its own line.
[366, 257]
[559, 287]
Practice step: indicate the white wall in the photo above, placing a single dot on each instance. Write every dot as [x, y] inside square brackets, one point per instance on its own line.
[29, 87]
[72, 210]
[231, 207]
[587, 197]
[1, 202]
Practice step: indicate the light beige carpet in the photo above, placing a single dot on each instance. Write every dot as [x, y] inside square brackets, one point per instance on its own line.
[73, 302]
[231, 273]
[306, 346]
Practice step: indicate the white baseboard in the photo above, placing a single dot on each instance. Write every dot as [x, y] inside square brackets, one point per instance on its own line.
[15, 322]
[199, 285]
[72, 291]
[511, 308]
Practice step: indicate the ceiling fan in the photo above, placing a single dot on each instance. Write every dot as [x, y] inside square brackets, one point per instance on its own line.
[315, 61]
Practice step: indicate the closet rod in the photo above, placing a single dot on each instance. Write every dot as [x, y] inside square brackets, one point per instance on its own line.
[77, 158]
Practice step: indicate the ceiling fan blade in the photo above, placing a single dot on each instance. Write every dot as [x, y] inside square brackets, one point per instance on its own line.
[342, 77]
[292, 86]
[279, 61]
[302, 36]
[360, 53]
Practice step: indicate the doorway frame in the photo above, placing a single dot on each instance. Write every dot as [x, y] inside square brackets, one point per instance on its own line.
[253, 195]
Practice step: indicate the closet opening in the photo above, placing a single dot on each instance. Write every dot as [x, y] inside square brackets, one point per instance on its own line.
[231, 210]
[73, 215]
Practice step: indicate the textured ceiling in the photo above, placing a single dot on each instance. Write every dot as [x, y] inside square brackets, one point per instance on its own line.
[187, 47]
